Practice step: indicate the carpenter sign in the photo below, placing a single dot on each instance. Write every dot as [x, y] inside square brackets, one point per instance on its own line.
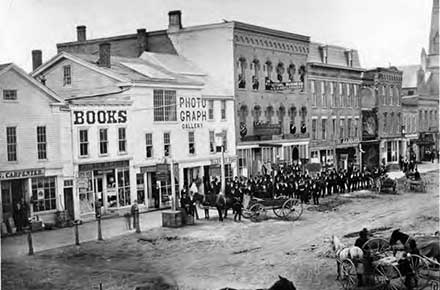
[99, 117]
[24, 173]
[192, 112]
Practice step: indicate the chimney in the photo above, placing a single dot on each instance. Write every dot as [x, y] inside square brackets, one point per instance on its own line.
[36, 58]
[104, 55]
[174, 20]
[142, 41]
[81, 33]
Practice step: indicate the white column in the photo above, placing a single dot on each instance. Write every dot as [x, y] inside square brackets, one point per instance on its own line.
[146, 190]
[133, 185]
[173, 186]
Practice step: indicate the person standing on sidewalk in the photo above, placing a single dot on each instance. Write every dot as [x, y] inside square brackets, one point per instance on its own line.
[133, 210]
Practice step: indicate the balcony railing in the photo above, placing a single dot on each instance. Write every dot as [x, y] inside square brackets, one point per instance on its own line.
[349, 140]
[282, 86]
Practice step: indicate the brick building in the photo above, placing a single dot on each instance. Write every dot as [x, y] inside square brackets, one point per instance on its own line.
[335, 77]
[35, 147]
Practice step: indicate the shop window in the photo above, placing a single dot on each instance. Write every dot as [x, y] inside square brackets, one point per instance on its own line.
[86, 196]
[210, 109]
[164, 105]
[149, 145]
[122, 140]
[9, 95]
[191, 143]
[112, 198]
[124, 187]
[67, 75]
[83, 142]
[223, 109]
[103, 141]
[43, 194]
[242, 73]
[41, 143]
[166, 144]
[140, 187]
[11, 143]
[211, 141]
[324, 129]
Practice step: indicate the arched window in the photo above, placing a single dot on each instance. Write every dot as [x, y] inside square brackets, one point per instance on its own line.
[280, 72]
[291, 70]
[257, 114]
[302, 73]
[268, 77]
[281, 113]
[255, 74]
[243, 113]
[241, 73]
[292, 114]
[303, 119]
[269, 114]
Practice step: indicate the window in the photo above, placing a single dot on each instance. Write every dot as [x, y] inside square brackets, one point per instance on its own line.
[124, 187]
[103, 141]
[348, 89]
[255, 66]
[332, 94]
[314, 121]
[340, 93]
[324, 129]
[391, 94]
[356, 124]
[349, 127]
[341, 128]
[149, 145]
[191, 143]
[9, 95]
[211, 141]
[122, 140]
[210, 109]
[323, 95]
[313, 90]
[355, 96]
[43, 193]
[164, 105]
[334, 128]
[225, 140]
[41, 142]
[11, 143]
[166, 144]
[385, 122]
[241, 73]
[223, 109]
[83, 142]
[67, 75]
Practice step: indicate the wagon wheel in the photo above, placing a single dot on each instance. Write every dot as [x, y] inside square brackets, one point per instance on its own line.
[258, 212]
[376, 246]
[420, 269]
[246, 213]
[349, 279]
[292, 209]
[278, 211]
[388, 277]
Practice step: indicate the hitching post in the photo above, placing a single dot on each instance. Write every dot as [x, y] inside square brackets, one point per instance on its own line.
[137, 222]
[76, 233]
[31, 247]
[99, 228]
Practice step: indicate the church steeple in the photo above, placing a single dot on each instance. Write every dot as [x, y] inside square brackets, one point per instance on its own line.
[434, 33]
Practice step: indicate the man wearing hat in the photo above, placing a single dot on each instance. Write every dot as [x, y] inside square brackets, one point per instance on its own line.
[363, 238]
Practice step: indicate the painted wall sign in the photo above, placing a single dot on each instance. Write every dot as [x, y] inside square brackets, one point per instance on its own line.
[99, 117]
[192, 112]
[24, 173]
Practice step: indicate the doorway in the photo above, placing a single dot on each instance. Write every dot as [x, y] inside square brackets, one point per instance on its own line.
[68, 201]
[12, 192]
[100, 200]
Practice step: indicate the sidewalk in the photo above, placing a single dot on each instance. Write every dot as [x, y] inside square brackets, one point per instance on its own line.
[18, 246]
[422, 167]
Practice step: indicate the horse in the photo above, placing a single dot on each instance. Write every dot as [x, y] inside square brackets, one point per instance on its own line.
[342, 252]
[281, 284]
[221, 203]
[430, 249]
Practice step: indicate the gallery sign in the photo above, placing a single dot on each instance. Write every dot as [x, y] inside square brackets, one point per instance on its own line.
[23, 173]
[91, 117]
[192, 112]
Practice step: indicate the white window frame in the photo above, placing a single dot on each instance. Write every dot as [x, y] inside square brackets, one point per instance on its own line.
[124, 140]
[167, 143]
[7, 95]
[102, 141]
[11, 145]
[149, 144]
[42, 143]
[192, 141]
[67, 75]
[83, 142]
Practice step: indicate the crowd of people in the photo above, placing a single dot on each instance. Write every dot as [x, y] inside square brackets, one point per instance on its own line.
[286, 181]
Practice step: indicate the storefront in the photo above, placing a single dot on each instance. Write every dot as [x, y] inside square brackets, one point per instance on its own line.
[38, 188]
[103, 187]
[370, 154]
[323, 156]
[426, 145]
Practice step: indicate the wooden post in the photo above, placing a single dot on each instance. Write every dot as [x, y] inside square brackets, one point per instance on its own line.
[100, 285]
[76, 233]
[31, 247]
[99, 229]
[137, 222]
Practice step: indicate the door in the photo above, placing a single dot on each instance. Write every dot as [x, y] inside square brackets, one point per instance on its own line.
[99, 195]
[295, 154]
[7, 204]
[68, 201]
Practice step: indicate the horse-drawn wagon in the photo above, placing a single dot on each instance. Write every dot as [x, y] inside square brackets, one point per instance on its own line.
[283, 207]
[385, 184]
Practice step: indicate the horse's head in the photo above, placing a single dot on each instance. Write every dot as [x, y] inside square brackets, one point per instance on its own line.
[283, 284]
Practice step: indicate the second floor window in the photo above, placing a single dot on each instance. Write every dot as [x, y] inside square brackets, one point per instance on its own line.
[324, 129]
[314, 121]
[191, 143]
[67, 75]
[166, 144]
[122, 140]
[149, 145]
[313, 91]
[349, 128]
[83, 142]
[11, 143]
[9, 95]
[340, 93]
[164, 103]
[211, 141]
[223, 109]
[103, 141]
[210, 109]
[323, 95]
[334, 128]
[341, 128]
[41, 143]
[225, 140]
[355, 125]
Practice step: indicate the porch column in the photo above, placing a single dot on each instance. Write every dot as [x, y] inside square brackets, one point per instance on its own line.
[133, 184]
[146, 190]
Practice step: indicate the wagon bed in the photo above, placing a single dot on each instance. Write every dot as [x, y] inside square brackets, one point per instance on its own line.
[283, 207]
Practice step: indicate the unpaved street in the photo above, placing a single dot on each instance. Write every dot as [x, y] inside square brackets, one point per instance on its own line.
[212, 255]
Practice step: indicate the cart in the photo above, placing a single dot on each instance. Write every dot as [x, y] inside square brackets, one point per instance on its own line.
[385, 184]
[285, 208]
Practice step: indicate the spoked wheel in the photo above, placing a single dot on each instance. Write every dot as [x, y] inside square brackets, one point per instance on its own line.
[292, 209]
[376, 246]
[258, 212]
[278, 211]
[388, 277]
[246, 213]
[421, 272]
[349, 279]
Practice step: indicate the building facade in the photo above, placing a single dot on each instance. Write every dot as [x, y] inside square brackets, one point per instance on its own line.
[335, 78]
[35, 162]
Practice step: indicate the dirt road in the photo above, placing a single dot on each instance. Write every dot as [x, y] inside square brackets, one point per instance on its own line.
[212, 255]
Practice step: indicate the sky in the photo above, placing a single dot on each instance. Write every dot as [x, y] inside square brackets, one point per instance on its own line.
[384, 31]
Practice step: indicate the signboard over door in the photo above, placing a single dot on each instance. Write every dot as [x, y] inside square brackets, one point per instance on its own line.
[162, 172]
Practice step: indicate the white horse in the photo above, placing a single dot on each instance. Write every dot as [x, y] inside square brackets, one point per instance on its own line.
[342, 252]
